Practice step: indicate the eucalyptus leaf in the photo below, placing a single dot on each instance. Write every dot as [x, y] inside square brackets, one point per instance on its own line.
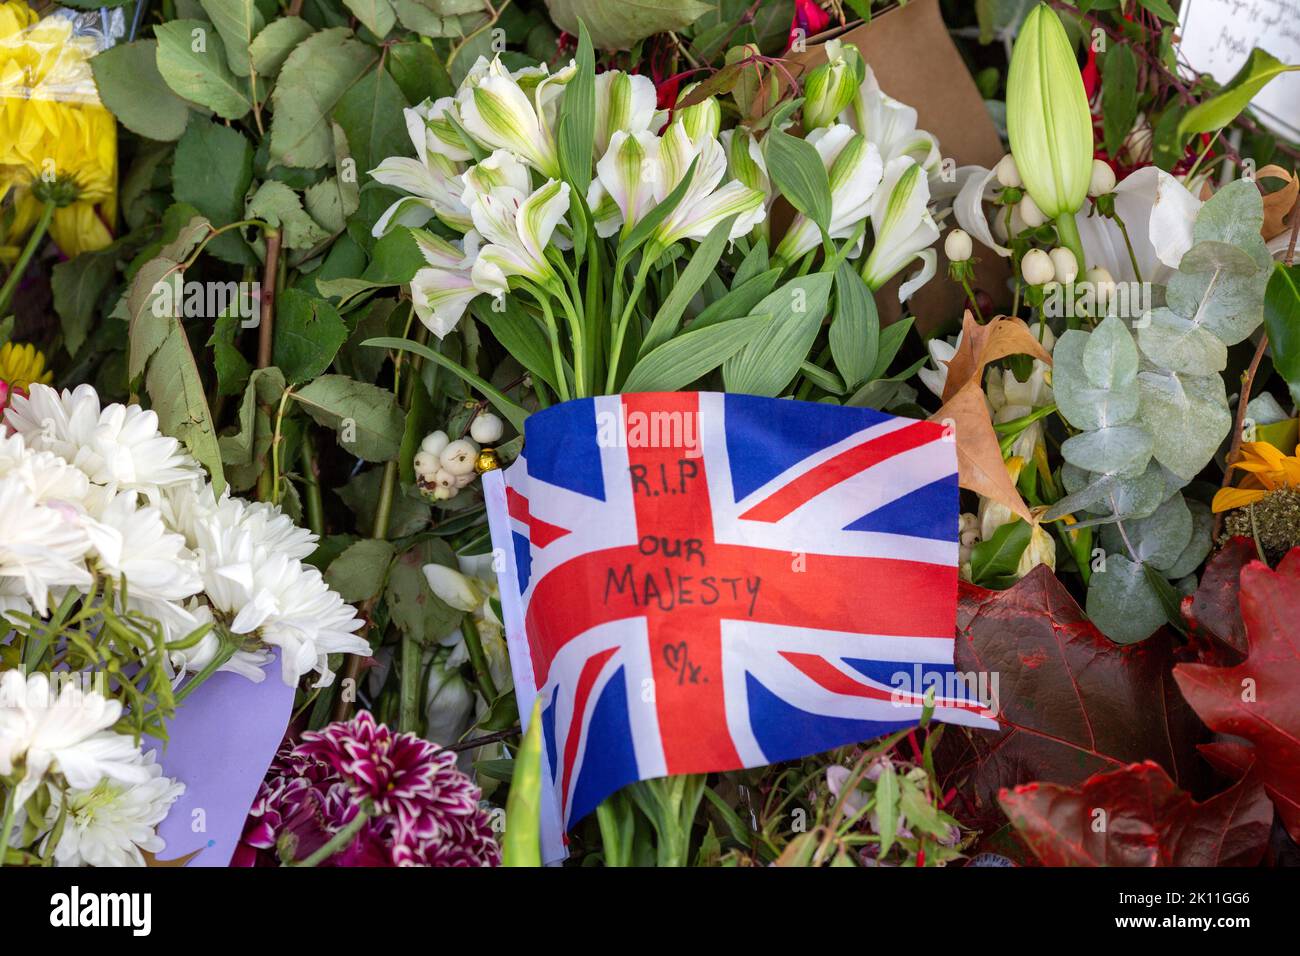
[1122, 603]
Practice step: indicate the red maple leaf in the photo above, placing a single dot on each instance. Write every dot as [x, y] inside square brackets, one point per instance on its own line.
[1072, 702]
[1213, 613]
[1137, 816]
[1258, 698]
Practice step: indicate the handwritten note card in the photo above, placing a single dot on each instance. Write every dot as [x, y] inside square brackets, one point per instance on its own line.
[1218, 35]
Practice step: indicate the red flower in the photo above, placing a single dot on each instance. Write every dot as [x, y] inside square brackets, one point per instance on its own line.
[809, 18]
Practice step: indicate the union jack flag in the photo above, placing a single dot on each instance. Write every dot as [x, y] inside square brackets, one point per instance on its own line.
[696, 582]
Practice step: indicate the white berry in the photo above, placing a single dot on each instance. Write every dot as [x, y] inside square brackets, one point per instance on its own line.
[1066, 267]
[1030, 213]
[957, 246]
[1103, 179]
[1007, 173]
[459, 456]
[425, 463]
[486, 428]
[434, 442]
[1037, 267]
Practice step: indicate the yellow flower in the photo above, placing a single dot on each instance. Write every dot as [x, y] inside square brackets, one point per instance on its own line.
[1267, 470]
[21, 366]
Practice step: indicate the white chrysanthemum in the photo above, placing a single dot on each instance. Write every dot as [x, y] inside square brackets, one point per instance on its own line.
[117, 445]
[131, 541]
[65, 732]
[246, 663]
[41, 547]
[109, 823]
[47, 476]
[270, 527]
[271, 595]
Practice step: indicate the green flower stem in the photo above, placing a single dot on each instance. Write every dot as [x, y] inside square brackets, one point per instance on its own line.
[553, 332]
[1128, 244]
[974, 303]
[1067, 230]
[648, 257]
[338, 841]
[11, 810]
[478, 659]
[34, 240]
[228, 647]
[311, 482]
[408, 713]
[578, 335]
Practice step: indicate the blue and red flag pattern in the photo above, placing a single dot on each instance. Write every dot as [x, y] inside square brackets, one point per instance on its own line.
[697, 582]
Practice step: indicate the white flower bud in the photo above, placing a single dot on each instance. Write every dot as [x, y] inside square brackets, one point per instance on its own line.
[459, 456]
[434, 442]
[1103, 286]
[1007, 173]
[486, 428]
[1066, 266]
[426, 464]
[1030, 214]
[1037, 268]
[1103, 179]
[957, 246]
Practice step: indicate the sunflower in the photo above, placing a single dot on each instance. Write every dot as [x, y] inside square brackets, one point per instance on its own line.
[1267, 470]
[21, 366]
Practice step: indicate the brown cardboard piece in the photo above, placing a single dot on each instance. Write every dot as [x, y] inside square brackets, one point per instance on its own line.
[915, 61]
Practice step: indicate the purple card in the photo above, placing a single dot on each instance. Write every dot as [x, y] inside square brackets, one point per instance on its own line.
[220, 743]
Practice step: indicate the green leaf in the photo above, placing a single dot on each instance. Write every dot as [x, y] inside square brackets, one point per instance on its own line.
[1122, 603]
[769, 363]
[192, 61]
[134, 91]
[272, 46]
[1217, 112]
[1118, 95]
[855, 329]
[1282, 317]
[367, 418]
[370, 114]
[231, 366]
[515, 414]
[176, 395]
[994, 561]
[669, 317]
[1160, 8]
[892, 337]
[244, 451]
[521, 845]
[308, 334]
[238, 21]
[1122, 450]
[1094, 375]
[280, 206]
[1158, 539]
[376, 15]
[148, 328]
[419, 71]
[211, 171]
[577, 129]
[693, 354]
[519, 334]
[740, 300]
[797, 171]
[651, 221]
[313, 79]
[617, 26]
[359, 573]
[1187, 415]
[415, 609]
[887, 807]
[79, 285]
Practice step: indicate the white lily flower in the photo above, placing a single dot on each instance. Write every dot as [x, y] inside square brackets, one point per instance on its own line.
[496, 111]
[891, 125]
[1158, 212]
[442, 291]
[854, 169]
[704, 203]
[518, 229]
[903, 227]
[977, 186]
[434, 127]
[624, 102]
[624, 186]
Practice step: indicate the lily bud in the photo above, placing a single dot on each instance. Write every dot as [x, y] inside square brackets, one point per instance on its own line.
[1037, 267]
[1103, 179]
[1048, 121]
[831, 87]
[957, 246]
[1065, 265]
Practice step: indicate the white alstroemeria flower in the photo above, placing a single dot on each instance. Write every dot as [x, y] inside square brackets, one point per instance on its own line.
[701, 120]
[433, 182]
[434, 128]
[443, 290]
[833, 86]
[624, 187]
[62, 729]
[624, 102]
[42, 547]
[705, 202]
[517, 230]
[1158, 212]
[891, 126]
[496, 111]
[117, 445]
[110, 823]
[499, 168]
[903, 227]
[745, 161]
[854, 168]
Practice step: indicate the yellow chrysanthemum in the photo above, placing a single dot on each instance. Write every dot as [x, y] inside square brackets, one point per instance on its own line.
[56, 139]
[22, 366]
[1267, 470]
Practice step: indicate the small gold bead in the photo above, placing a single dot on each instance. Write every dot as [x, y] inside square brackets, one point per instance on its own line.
[486, 461]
